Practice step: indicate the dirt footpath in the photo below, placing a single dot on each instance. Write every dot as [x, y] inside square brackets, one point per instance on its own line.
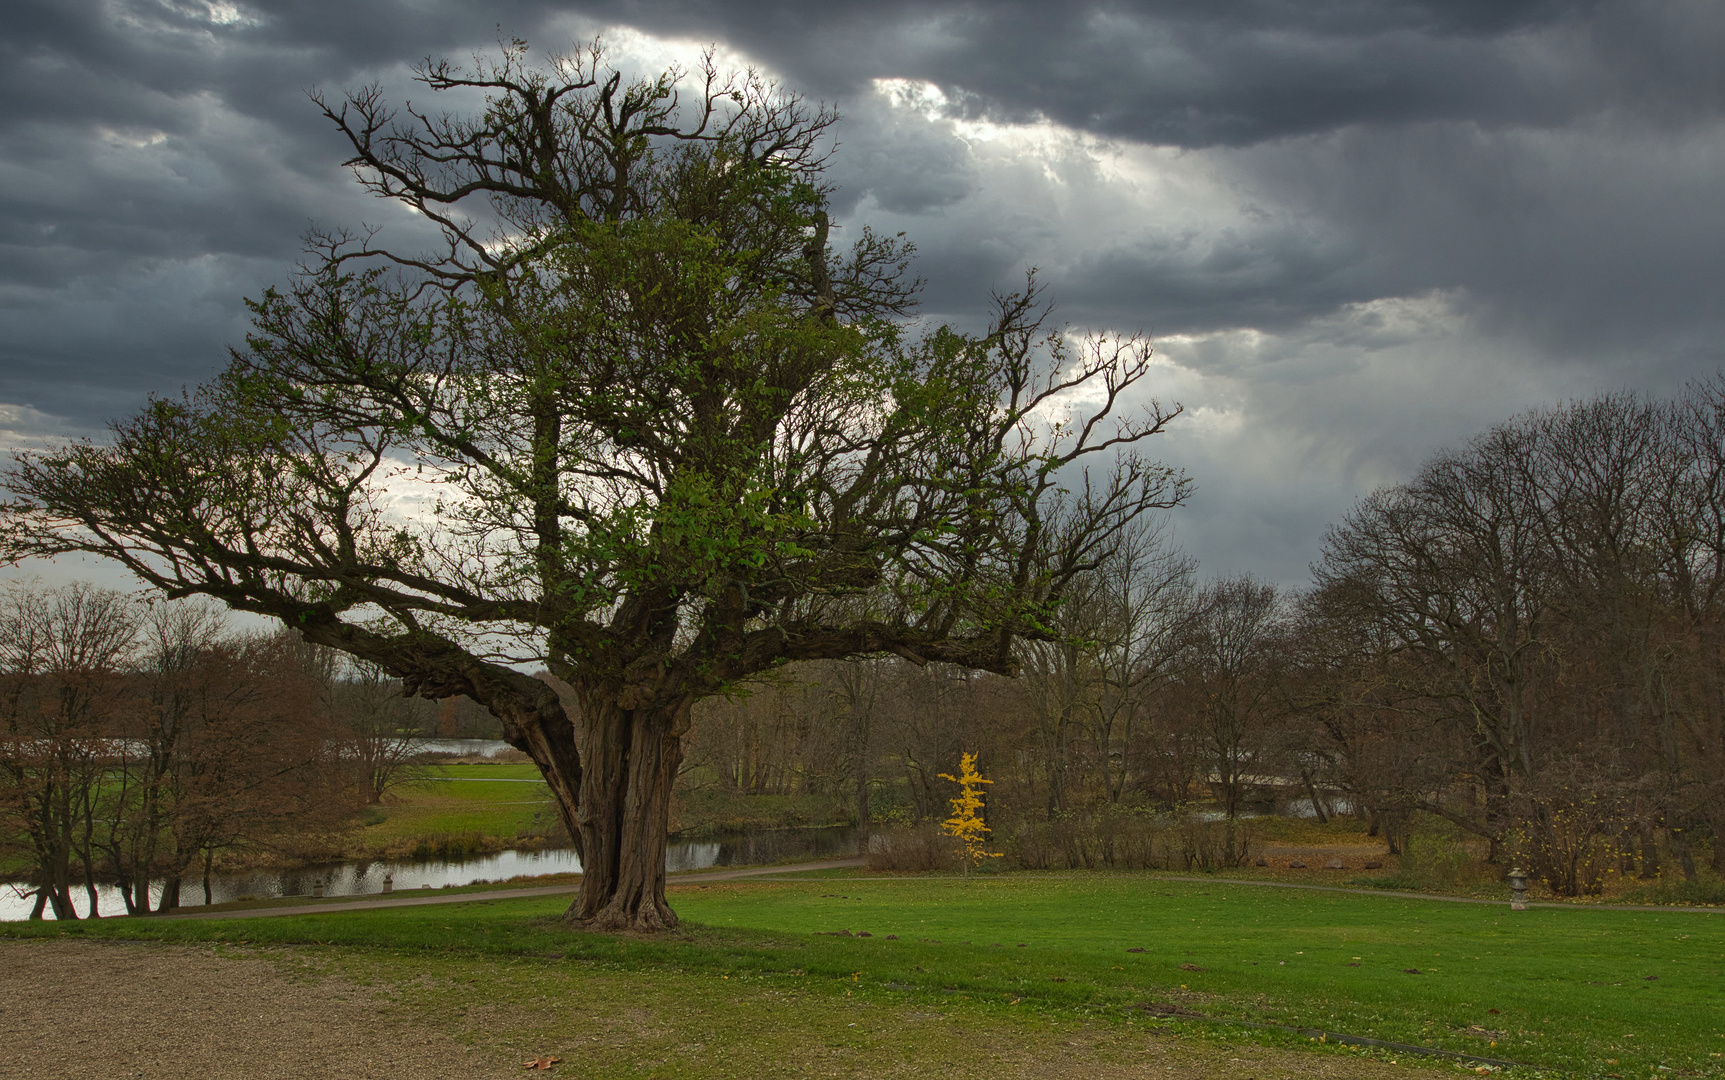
[161, 1012]
[164, 1012]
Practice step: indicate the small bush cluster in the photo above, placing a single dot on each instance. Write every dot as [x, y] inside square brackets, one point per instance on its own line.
[1113, 839]
[912, 847]
[451, 847]
[1706, 891]
[1106, 839]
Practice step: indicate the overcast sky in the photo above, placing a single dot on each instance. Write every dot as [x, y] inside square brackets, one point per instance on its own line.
[1357, 231]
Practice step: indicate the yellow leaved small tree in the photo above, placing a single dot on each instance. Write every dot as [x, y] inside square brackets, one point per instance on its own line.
[966, 825]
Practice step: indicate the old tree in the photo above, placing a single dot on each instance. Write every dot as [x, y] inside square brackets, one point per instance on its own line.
[674, 436]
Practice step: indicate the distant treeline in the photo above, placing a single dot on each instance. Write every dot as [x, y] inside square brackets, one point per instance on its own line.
[1527, 639]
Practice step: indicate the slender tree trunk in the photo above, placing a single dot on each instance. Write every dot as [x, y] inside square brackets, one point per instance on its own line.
[61, 869]
[1649, 851]
[87, 855]
[1499, 815]
[1679, 840]
[145, 867]
[860, 714]
[863, 810]
[60, 898]
[1317, 804]
[123, 886]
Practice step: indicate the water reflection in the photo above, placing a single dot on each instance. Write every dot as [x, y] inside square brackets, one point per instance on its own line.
[366, 878]
[482, 748]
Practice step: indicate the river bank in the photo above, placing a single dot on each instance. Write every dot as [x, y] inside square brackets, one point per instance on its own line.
[367, 877]
[478, 818]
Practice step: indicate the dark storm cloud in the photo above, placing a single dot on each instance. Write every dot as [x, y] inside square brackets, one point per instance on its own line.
[1557, 161]
[1235, 73]
[1591, 241]
[159, 163]
[1366, 226]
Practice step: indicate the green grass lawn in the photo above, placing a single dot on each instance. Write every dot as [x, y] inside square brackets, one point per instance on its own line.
[1586, 992]
[489, 799]
[1561, 988]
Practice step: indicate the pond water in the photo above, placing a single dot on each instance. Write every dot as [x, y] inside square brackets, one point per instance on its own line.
[461, 747]
[365, 878]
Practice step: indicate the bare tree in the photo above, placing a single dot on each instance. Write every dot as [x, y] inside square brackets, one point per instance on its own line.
[1453, 568]
[62, 657]
[856, 685]
[1695, 569]
[1144, 592]
[378, 731]
[1233, 659]
[139, 840]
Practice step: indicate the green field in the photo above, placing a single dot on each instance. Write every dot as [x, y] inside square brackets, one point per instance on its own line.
[1585, 992]
[502, 801]
[488, 800]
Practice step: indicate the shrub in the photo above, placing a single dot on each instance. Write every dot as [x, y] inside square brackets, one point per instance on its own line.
[1400, 882]
[1569, 842]
[1431, 860]
[1702, 891]
[1117, 839]
[917, 847]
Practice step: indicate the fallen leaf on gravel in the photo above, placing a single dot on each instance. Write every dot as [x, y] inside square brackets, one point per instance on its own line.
[542, 1062]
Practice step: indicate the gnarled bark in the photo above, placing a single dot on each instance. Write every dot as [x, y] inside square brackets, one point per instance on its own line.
[630, 757]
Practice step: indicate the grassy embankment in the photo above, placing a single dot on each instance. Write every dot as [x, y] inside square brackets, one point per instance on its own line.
[456, 810]
[467, 808]
[1585, 992]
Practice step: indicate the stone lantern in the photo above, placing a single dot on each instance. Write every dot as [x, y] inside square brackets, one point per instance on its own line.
[1518, 889]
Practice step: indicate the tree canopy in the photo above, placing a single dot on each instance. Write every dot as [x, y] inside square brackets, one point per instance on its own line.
[639, 420]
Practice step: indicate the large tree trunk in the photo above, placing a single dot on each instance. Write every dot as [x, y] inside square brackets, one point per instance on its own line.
[629, 759]
[610, 769]
[609, 754]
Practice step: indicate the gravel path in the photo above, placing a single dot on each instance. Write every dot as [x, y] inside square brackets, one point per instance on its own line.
[89, 1009]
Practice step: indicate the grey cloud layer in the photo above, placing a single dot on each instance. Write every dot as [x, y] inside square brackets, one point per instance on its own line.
[1362, 228]
[1206, 73]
